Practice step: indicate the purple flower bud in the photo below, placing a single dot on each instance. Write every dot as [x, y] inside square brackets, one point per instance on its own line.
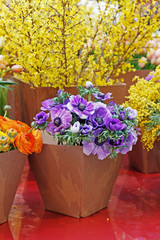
[111, 103]
[89, 85]
[60, 91]
[101, 96]
[122, 115]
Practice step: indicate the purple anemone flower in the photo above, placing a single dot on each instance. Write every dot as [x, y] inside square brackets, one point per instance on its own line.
[122, 115]
[48, 104]
[102, 97]
[99, 117]
[61, 119]
[129, 142]
[132, 113]
[80, 106]
[41, 118]
[84, 130]
[96, 147]
[114, 124]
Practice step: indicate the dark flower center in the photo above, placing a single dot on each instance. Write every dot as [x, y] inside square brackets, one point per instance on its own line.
[81, 106]
[40, 117]
[101, 95]
[115, 142]
[57, 121]
[98, 142]
[99, 120]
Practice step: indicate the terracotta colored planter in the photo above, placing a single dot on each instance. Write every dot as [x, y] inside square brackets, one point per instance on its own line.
[26, 101]
[145, 161]
[11, 167]
[72, 183]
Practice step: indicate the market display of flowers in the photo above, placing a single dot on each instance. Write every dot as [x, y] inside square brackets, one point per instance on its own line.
[18, 135]
[144, 96]
[102, 129]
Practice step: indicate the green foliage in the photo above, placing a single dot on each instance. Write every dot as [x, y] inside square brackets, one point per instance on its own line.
[3, 102]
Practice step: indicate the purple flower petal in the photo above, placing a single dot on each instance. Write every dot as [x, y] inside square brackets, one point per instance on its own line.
[48, 104]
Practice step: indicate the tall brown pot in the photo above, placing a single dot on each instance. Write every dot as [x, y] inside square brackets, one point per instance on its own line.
[11, 167]
[72, 183]
[145, 161]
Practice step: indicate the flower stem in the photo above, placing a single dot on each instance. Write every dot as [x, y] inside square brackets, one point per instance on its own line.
[5, 113]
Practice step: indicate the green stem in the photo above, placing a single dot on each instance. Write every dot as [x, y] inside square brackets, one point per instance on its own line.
[5, 113]
[8, 70]
[89, 96]
[31, 129]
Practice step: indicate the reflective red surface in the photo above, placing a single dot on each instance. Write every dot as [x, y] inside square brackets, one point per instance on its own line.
[133, 213]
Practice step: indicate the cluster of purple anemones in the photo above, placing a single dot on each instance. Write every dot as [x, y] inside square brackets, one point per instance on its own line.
[90, 120]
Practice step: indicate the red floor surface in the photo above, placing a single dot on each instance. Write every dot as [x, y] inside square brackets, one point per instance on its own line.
[133, 213]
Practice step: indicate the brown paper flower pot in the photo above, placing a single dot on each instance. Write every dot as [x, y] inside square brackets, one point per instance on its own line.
[145, 161]
[72, 183]
[26, 101]
[11, 167]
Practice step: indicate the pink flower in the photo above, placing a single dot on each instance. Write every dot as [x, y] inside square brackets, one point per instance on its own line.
[16, 68]
[142, 62]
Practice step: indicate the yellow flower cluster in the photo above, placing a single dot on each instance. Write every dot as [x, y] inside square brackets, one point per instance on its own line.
[61, 43]
[144, 96]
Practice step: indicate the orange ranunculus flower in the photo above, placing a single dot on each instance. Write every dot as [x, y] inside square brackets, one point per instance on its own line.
[6, 123]
[23, 127]
[25, 143]
[38, 140]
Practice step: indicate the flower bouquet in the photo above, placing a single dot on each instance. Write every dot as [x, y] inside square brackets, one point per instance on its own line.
[144, 97]
[17, 140]
[85, 130]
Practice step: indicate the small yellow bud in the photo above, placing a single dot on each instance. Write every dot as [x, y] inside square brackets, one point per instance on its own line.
[11, 132]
